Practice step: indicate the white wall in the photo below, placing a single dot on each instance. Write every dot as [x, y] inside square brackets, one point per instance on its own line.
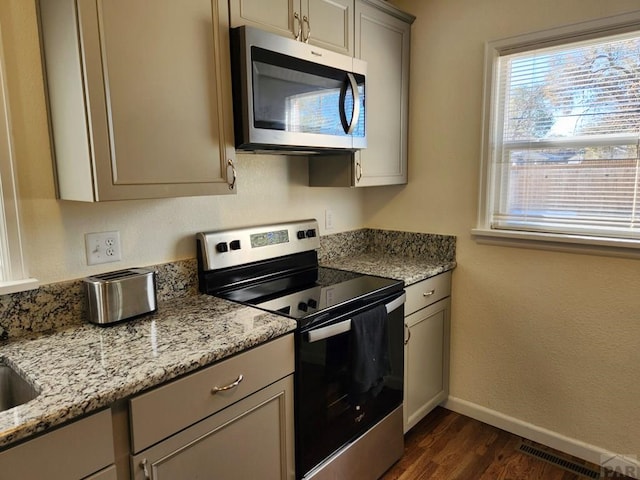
[548, 338]
[270, 188]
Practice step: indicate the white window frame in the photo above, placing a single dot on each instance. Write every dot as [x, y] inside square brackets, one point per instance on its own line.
[483, 233]
[14, 275]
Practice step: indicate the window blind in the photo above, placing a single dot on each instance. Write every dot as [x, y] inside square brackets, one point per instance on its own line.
[566, 142]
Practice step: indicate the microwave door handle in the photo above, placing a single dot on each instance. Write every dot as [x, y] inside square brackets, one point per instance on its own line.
[356, 102]
[351, 82]
[344, 326]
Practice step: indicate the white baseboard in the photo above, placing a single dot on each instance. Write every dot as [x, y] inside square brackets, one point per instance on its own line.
[572, 446]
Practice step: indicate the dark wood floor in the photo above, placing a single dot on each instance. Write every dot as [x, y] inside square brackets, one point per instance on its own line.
[447, 446]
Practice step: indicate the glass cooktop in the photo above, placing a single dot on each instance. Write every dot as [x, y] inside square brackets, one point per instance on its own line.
[314, 292]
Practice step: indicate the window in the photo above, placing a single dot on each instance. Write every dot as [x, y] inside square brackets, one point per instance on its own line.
[561, 158]
[13, 271]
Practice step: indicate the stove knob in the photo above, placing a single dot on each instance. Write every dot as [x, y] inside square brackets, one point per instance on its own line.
[222, 247]
[312, 303]
[235, 245]
[311, 233]
[302, 306]
[300, 234]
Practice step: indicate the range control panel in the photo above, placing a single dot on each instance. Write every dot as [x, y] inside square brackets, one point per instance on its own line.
[228, 248]
[295, 305]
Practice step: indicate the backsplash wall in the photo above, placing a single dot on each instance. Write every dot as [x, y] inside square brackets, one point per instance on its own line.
[58, 305]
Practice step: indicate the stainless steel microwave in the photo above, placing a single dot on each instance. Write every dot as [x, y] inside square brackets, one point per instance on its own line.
[294, 97]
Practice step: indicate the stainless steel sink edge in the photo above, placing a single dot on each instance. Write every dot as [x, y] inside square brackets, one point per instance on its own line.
[16, 386]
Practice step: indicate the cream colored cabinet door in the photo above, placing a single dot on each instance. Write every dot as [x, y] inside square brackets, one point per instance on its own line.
[329, 24]
[252, 438]
[325, 23]
[383, 41]
[426, 361]
[140, 97]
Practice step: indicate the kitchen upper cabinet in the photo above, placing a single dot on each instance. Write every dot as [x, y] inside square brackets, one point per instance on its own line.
[324, 23]
[427, 325]
[382, 39]
[140, 97]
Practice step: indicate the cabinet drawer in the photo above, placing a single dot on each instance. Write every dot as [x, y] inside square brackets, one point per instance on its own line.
[163, 411]
[422, 294]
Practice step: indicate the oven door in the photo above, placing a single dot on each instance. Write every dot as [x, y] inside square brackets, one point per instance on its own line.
[328, 414]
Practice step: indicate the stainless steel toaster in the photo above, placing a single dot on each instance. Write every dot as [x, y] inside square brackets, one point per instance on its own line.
[115, 296]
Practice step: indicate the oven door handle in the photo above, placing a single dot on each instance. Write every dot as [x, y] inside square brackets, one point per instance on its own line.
[344, 326]
[397, 303]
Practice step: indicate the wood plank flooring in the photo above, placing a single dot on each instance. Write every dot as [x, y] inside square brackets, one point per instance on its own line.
[448, 446]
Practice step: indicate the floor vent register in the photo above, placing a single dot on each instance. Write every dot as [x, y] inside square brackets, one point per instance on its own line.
[559, 461]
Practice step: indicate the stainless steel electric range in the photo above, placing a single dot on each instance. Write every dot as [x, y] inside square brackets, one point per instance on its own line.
[349, 342]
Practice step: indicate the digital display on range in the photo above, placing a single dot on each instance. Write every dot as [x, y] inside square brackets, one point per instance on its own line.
[269, 238]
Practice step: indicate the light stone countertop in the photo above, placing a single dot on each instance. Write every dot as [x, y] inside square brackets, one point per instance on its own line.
[84, 368]
[409, 269]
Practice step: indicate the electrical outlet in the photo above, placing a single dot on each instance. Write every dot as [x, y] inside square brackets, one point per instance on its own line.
[103, 247]
[328, 220]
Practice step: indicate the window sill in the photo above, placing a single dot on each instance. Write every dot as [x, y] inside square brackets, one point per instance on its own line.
[616, 247]
[18, 286]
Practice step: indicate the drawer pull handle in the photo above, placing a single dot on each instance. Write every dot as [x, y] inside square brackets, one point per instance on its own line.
[407, 336]
[216, 389]
[429, 293]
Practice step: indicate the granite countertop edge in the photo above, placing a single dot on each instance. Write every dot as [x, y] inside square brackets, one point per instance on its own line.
[83, 369]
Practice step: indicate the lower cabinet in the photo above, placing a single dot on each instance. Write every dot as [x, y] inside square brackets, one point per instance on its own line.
[250, 439]
[233, 419]
[427, 341]
[230, 420]
[81, 450]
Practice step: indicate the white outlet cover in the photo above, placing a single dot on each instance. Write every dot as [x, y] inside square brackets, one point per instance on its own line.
[103, 247]
[328, 220]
